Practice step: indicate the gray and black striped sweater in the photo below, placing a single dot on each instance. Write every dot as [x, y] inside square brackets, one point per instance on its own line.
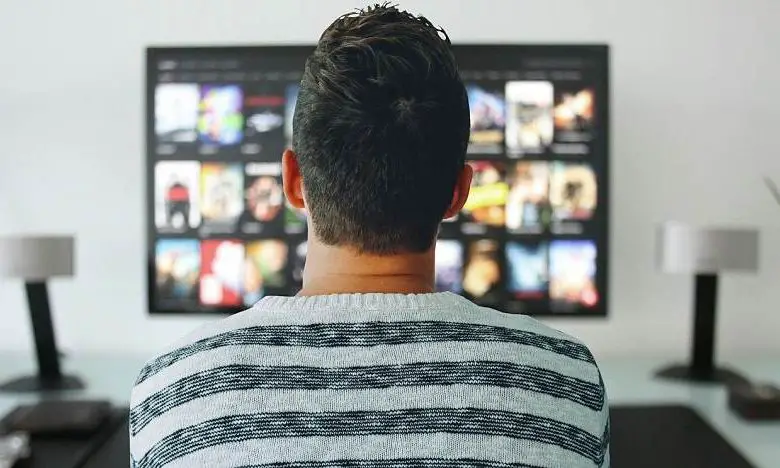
[371, 381]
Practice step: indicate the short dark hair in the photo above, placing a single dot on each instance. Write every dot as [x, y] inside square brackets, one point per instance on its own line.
[380, 129]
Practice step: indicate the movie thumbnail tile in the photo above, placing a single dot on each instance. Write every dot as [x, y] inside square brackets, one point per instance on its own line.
[527, 270]
[264, 269]
[176, 112]
[222, 192]
[264, 199]
[529, 123]
[574, 114]
[449, 266]
[176, 195]
[488, 195]
[291, 99]
[528, 203]
[220, 115]
[573, 191]
[299, 264]
[264, 127]
[177, 265]
[222, 273]
[482, 280]
[573, 272]
[488, 120]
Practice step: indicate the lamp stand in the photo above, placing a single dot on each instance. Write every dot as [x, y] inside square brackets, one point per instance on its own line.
[702, 365]
[50, 377]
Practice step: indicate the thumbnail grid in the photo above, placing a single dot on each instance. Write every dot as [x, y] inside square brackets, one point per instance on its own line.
[516, 119]
[223, 236]
[224, 119]
[530, 118]
[529, 197]
[207, 198]
[520, 275]
[226, 272]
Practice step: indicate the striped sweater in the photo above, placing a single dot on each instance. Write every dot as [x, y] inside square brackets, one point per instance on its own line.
[371, 381]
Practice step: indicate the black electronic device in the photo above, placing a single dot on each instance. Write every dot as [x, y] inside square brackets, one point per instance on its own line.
[532, 238]
[652, 436]
[74, 437]
[756, 402]
[72, 418]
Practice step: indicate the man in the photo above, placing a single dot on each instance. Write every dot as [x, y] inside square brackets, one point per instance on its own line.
[367, 367]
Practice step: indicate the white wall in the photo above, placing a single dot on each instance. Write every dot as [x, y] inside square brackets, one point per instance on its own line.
[695, 126]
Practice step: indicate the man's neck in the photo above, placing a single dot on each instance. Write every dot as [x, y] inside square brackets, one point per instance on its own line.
[339, 270]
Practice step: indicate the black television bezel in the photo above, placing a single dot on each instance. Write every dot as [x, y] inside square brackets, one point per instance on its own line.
[599, 53]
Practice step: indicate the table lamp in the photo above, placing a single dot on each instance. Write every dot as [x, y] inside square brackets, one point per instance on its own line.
[36, 259]
[705, 253]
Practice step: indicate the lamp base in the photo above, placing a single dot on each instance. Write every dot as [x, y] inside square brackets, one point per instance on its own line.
[716, 376]
[35, 384]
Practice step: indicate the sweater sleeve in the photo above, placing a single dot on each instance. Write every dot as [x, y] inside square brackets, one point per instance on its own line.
[606, 436]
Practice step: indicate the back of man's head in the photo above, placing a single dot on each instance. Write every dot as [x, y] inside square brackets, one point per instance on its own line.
[381, 128]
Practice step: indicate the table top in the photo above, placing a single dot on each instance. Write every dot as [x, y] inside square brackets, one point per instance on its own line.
[628, 381]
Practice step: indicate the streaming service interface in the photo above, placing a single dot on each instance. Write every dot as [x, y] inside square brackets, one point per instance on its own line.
[531, 238]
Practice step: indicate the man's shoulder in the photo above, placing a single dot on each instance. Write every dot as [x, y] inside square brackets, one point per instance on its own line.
[169, 375]
[471, 311]
[528, 331]
[531, 325]
[209, 336]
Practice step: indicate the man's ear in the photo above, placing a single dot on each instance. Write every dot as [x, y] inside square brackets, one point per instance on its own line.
[291, 179]
[461, 193]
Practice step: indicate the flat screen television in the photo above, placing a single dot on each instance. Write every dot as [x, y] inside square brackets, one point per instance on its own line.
[532, 238]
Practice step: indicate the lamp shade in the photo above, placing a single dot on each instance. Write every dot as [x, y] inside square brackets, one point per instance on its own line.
[37, 258]
[683, 248]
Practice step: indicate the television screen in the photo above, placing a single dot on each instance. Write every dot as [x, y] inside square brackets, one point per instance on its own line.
[532, 237]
